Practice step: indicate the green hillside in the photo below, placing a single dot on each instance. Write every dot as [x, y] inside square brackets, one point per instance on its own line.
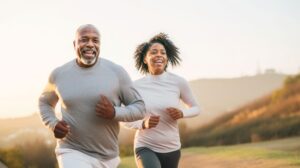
[268, 154]
[274, 116]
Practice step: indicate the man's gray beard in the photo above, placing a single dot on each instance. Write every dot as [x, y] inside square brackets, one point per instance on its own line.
[88, 62]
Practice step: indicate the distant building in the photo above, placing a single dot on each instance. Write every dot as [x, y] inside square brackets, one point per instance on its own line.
[270, 71]
[258, 69]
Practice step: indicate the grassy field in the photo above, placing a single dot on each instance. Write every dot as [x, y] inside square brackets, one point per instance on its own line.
[284, 153]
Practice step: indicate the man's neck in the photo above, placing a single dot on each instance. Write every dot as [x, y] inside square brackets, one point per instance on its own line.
[82, 65]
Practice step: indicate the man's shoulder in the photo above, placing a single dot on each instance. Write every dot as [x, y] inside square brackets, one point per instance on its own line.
[63, 67]
[109, 63]
[111, 66]
[68, 64]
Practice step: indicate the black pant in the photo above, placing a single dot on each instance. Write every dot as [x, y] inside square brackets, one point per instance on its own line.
[146, 158]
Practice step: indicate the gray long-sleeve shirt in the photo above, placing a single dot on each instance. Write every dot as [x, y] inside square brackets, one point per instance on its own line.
[159, 93]
[79, 90]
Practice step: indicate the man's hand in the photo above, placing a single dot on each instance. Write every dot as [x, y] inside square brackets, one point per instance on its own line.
[174, 113]
[150, 122]
[105, 108]
[61, 129]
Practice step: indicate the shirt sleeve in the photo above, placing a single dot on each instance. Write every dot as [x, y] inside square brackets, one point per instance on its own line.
[134, 108]
[133, 125]
[47, 103]
[188, 99]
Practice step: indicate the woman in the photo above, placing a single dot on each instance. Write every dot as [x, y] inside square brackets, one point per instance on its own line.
[157, 141]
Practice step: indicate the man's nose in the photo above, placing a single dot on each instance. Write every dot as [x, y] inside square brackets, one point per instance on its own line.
[90, 43]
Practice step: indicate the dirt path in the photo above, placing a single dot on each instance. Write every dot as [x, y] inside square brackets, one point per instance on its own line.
[198, 161]
[2, 165]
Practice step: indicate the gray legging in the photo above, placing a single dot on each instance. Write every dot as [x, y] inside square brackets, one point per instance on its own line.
[146, 158]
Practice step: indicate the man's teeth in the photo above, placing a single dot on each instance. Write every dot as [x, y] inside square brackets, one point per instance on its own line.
[89, 52]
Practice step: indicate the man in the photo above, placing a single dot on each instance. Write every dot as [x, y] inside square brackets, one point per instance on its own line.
[91, 91]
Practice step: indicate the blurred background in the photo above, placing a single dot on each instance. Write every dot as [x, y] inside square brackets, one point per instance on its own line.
[241, 58]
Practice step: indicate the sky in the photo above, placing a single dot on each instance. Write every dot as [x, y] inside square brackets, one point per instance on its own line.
[216, 39]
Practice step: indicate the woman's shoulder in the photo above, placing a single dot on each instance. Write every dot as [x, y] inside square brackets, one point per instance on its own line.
[175, 77]
[140, 80]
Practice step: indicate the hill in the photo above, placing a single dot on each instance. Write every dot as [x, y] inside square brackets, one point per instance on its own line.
[21, 130]
[217, 96]
[274, 116]
[25, 129]
[269, 154]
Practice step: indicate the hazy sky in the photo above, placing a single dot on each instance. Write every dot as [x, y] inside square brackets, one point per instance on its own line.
[217, 38]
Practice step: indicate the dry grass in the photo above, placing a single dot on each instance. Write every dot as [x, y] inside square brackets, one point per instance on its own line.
[271, 154]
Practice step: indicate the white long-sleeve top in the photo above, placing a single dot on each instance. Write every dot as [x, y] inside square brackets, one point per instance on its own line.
[160, 92]
[79, 90]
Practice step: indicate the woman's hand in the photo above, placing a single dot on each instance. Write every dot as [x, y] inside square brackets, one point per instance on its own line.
[150, 122]
[175, 113]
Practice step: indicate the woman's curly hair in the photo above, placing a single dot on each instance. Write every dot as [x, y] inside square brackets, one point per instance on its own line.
[142, 49]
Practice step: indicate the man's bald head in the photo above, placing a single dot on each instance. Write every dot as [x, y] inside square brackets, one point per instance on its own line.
[86, 27]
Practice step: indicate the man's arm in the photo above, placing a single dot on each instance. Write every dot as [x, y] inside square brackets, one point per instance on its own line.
[134, 108]
[47, 103]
